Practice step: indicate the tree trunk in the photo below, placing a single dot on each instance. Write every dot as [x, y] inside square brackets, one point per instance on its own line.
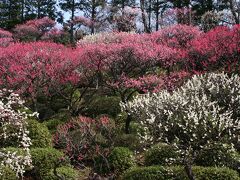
[93, 15]
[22, 10]
[127, 124]
[149, 14]
[157, 15]
[72, 18]
[188, 169]
[234, 13]
[142, 7]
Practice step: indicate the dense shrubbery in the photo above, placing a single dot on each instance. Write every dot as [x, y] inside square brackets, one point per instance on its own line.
[63, 172]
[121, 159]
[162, 154]
[178, 173]
[83, 139]
[39, 134]
[44, 160]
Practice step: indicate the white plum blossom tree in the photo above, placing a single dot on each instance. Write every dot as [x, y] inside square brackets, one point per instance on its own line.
[13, 126]
[206, 109]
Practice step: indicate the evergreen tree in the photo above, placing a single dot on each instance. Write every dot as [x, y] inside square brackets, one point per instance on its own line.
[10, 13]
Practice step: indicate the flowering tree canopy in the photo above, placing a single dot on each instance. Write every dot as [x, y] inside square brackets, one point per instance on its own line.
[204, 109]
[13, 125]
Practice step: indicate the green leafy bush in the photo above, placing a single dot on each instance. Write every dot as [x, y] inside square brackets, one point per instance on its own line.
[104, 105]
[39, 134]
[178, 173]
[66, 172]
[7, 174]
[52, 124]
[130, 141]
[218, 155]
[161, 154]
[45, 159]
[121, 159]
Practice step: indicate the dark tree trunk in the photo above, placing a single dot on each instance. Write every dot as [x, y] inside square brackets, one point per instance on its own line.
[72, 18]
[93, 16]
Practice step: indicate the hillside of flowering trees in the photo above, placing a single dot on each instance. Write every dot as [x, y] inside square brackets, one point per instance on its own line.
[128, 90]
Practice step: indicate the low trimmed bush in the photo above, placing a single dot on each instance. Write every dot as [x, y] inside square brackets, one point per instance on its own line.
[104, 105]
[39, 134]
[219, 155]
[52, 124]
[121, 159]
[7, 174]
[178, 173]
[65, 172]
[45, 159]
[161, 154]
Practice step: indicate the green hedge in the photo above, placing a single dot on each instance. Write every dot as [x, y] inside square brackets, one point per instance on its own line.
[66, 172]
[104, 105]
[45, 159]
[52, 124]
[121, 159]
[39, 134]
[178, 173]
[7, 173]
[161, 154]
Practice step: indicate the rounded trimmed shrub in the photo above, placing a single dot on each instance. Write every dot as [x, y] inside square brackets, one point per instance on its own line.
[121, 159]
[39, 134]
[45, 159]
[52, 124]
[7, 173]
[161, 154]
[104, 105]
[65, 172]
[219, 155]
[178, 173]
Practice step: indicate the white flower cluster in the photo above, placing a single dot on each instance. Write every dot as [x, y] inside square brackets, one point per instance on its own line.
[106, 37]
[205, 109]
[13, 125]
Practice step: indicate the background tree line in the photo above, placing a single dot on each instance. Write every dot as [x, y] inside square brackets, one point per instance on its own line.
[102, 14]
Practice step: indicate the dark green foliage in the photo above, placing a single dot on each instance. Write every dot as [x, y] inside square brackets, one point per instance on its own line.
[130, 141]
[45, 159]
[66, 172]
[52, 124]
[178, 173]
[161, 154]
[39, 134]
[146, 173]
[104, 105]
[218, 155]
[121, 159]
[7, 174]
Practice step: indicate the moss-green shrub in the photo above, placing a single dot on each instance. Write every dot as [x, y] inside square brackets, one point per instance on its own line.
[178, 173]
[7, 173]
[104, 105]
[52, 124]
[161, 154]
[121, 159]
[130, 141]
[45, 159]
[39, 134]
[66, 172]
[218, 155]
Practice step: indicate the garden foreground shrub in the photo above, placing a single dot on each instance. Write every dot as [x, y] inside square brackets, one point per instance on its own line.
[178, 173]
[39, 134]
[45, 159]
[161, 154]
[121, 159]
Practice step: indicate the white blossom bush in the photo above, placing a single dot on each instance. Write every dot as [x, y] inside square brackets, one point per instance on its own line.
[13, 126]
[204, 110]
